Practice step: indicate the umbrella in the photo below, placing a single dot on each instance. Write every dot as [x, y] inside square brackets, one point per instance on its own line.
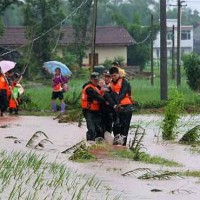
[50, 66]
[6, 65]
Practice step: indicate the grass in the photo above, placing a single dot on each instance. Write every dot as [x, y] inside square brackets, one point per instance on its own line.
[195, 149]
[30, 176]
[191, 173]
[146, 158]
[146, 95]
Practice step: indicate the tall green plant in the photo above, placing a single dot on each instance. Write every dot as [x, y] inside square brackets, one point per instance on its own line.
[192, 70]
[172, 115]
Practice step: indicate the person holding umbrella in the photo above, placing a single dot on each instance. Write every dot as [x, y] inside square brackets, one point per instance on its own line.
[58, 82]
[5, 66]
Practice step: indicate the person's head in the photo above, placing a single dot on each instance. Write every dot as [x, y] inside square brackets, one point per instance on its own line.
[116, 64]
[114, 73]
[9, 73]
[106, 76]
[101, 82]
[57, 71]
[94, 78]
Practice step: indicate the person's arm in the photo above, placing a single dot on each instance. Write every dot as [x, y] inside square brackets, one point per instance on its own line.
[109, 98]
[126, 88]
[94, 95]
[64, 79]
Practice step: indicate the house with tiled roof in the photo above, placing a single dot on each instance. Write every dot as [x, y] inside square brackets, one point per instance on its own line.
[111, 42]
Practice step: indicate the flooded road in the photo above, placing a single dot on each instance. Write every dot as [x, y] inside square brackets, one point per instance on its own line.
[108, 169]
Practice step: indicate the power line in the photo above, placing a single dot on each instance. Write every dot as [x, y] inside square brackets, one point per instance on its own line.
[49, 30]
[143, 41]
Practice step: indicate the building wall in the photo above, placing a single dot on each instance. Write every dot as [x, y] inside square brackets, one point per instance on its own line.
[186, 44]
[107, 53]
[197, 39]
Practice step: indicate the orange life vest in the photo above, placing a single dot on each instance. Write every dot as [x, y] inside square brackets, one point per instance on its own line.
[57, 88]
[127, 100]
[85, 104]
[12, 103]
[3, 84]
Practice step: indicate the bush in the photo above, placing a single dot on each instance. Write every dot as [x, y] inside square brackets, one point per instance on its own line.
[171, 115]
[192, 70]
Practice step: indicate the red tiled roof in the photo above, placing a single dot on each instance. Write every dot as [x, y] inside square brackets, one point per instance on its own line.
[105, 35]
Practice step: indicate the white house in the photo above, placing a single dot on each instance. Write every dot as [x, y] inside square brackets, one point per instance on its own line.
[186, 39]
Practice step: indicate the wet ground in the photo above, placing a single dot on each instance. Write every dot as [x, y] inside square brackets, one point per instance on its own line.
[107, 169]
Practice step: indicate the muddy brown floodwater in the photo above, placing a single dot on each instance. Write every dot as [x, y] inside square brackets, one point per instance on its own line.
[107, 169]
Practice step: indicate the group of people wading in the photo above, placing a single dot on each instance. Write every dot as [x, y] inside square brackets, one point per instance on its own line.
[107, 104]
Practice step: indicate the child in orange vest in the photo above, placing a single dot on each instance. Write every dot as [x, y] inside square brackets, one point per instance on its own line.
[14, 94]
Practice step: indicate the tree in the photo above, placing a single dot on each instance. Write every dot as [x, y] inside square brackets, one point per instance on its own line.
[13, 16]
[43, 21]
[80, 22]
[4, 4]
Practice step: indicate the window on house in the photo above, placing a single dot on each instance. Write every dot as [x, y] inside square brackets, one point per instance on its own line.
[157, 53]
[169, 35]
[185, 35]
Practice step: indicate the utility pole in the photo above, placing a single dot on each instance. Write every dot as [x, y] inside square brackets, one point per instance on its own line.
[173, 53]
[178, 73]
[163, 52]
[179, 43]
[94, 21]
[152, 70]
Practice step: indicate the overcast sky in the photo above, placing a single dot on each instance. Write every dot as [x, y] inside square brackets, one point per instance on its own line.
[193, 4]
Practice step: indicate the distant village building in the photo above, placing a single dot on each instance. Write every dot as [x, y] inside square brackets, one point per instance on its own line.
[186, 39]
[111, 42]
[197, 39]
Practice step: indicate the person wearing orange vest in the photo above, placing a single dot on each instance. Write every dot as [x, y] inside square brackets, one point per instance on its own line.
[3, 94]
[91, 100]
[14, 97]
[121, 90]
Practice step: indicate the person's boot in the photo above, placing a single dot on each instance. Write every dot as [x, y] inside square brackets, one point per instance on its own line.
[62, 110]
[53, 107]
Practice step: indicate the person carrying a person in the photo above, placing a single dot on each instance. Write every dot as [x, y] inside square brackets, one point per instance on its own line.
[121, 90]
[3, 94]
[59, 82]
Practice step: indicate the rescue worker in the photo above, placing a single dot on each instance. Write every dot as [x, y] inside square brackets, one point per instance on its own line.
[121, 87]
[58, 81]
[3, 94]
[91, 99]
[121, 71]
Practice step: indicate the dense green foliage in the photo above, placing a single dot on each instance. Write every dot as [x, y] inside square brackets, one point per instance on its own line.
[80, 22]
[192, 70]
[39, 18]
[172, 115]
[4, 4]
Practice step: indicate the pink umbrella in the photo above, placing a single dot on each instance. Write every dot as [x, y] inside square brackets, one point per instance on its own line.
[6, 65]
